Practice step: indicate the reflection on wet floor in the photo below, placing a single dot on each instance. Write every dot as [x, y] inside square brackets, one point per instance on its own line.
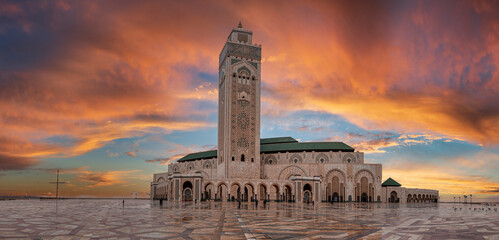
[90, 219]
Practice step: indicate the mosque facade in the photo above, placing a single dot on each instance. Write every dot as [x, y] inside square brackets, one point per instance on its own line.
[248, 168]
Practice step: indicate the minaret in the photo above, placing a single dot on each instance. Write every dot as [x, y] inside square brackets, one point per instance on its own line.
[239, 106]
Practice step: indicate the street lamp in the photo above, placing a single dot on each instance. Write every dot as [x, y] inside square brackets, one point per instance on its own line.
[471, 199]
[454, 199]
[459, 199]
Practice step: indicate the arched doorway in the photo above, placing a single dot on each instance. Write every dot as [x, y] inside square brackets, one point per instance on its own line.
[274, 192]
[221, 194]
[208, 188]
[393, 197]
[248, 192]
[307, 193]
[363, 197]
[263, 192]
[235, 192]
[187, 191]
[364, 189]
[287, 193]
[336, 197]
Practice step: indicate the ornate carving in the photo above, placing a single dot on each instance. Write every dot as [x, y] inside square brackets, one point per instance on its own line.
[289, 171]
[240, 50]
[295, 158]
[243, 120]
[270, 160]
[349, 158]
[321, 158]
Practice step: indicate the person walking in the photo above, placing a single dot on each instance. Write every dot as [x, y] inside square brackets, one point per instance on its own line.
[256, 203]
[123, 203]
[239, 203]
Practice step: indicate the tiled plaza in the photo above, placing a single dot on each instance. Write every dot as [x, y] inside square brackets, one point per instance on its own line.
[106, 219]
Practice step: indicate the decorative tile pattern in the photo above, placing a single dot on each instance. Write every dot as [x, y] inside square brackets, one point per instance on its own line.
[96, 219]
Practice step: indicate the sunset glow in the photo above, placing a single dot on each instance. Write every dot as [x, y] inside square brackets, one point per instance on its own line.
[110, 92]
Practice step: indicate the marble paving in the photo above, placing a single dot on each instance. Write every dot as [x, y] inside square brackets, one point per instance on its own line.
[107, 219]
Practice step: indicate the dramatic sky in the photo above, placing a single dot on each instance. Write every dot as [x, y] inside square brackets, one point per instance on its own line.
[111, 91]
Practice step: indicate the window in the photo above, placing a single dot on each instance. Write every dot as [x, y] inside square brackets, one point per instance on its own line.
[253, 78]
[234, 75]
[242, 157]
[296, 160]
[270, 161]
[232, 158]
[349, 160]
[322, 160]
[252, 160]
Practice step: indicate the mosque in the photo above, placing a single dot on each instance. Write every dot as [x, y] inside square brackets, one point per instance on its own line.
[249, 168]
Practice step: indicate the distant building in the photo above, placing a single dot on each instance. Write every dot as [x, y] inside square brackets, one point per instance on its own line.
[246, 167]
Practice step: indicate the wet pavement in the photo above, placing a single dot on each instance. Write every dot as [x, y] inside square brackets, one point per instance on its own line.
[98, 219]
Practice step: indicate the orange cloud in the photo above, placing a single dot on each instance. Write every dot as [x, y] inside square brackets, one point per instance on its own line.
[97, 179]
[90, 72]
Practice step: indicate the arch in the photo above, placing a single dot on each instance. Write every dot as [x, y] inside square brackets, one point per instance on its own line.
[335, 185]
[363, 172]
[289, 171]
[243, 70]
[221, 192]
[349, 158]
[208, 191]
[243, 96]
[394, 197]
[363, 189]
[235, 191]
[242, 158]
[262, 192]
[321, 158]
[363, 197]
[288, 193]
[187, 191]
[409, 198]
[249, 191]
[307, 193]
[271, 159]
[207, 165]
[336, 197]
[363, 179]
[274, 192]
[295, 159]
[160, 179]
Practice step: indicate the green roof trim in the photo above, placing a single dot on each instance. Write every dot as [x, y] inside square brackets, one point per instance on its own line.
[306, 146]
[281, 144]
[390, 183]
[254, 65]
[275, 140]
[234, 61]
[199, 156]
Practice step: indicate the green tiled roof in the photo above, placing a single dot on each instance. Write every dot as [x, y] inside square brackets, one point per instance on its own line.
[264, 141]
[305, 146]
[281, 144]
[390, 183]
[199, 156]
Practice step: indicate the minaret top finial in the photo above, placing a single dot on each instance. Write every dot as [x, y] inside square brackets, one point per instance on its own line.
[240, 25]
